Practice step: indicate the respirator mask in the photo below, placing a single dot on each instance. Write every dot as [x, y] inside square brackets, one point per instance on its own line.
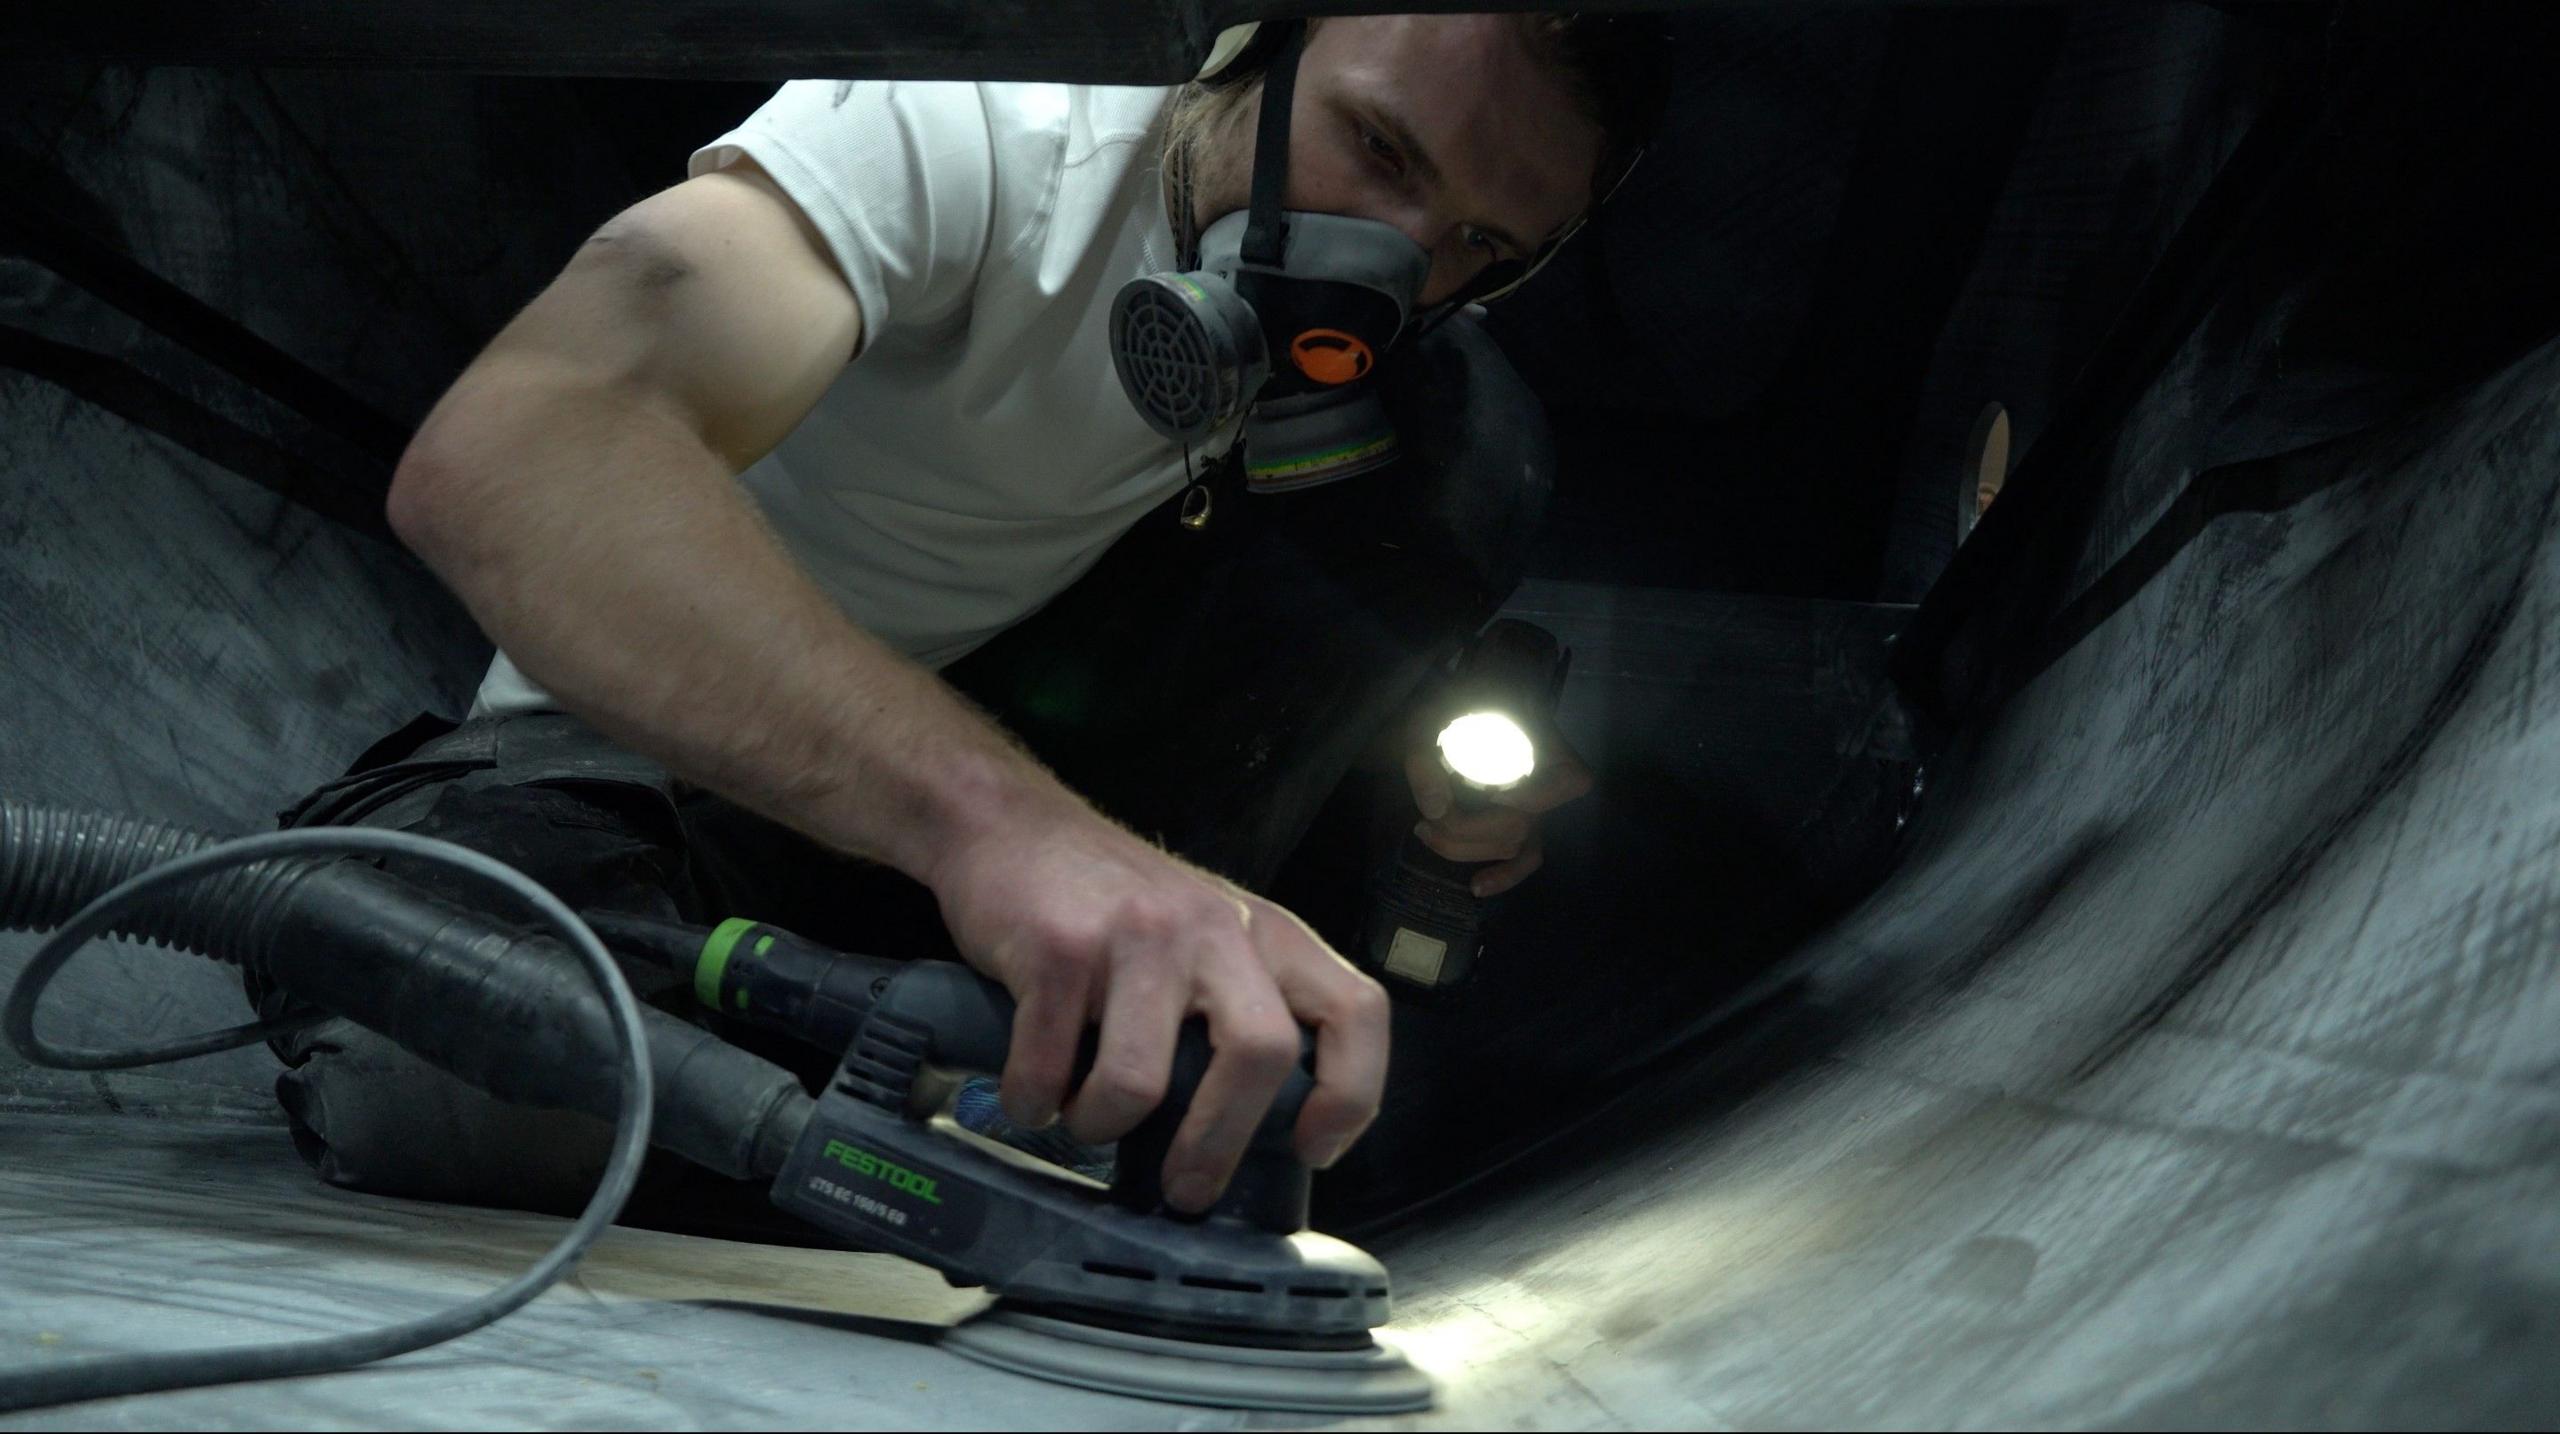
[1282, 318]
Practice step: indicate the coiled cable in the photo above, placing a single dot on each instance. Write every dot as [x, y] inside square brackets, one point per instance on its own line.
[126, 1374]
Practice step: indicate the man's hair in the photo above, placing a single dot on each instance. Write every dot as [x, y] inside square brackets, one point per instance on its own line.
[1617, 68]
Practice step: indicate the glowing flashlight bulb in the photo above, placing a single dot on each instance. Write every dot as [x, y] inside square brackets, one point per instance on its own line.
[1488, 749]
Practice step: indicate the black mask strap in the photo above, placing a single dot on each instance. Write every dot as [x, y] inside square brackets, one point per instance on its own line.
[1266, 238]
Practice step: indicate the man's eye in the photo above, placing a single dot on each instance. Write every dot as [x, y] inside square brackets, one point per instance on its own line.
[1478, 239]
[1379, 146]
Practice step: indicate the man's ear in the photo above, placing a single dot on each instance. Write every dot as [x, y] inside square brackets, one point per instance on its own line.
[1244, 51]
[1230, 47]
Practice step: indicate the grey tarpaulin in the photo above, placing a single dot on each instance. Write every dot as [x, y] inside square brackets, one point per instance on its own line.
[2197, 1062]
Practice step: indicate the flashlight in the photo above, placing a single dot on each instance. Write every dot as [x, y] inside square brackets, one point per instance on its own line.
[1487, 752]
[1426, 924]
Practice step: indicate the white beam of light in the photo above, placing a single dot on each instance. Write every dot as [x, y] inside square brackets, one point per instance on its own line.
[1488, 749]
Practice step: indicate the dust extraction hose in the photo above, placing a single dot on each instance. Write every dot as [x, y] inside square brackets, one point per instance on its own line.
[514, 1013]
[506, 1010]
[102, 1376]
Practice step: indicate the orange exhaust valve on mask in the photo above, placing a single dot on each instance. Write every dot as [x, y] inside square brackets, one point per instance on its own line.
[1330, 356]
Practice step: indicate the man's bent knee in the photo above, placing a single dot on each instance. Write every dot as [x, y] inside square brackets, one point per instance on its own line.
[369, 1116]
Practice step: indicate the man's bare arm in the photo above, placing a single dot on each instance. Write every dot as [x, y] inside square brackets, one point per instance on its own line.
[577, 488]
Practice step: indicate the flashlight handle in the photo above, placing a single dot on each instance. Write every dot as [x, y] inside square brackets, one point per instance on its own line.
[1421, 858]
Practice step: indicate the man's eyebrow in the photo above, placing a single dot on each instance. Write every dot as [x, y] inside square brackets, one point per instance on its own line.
[1423, 165]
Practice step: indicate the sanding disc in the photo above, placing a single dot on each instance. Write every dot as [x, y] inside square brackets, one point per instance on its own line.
[1367, 1380]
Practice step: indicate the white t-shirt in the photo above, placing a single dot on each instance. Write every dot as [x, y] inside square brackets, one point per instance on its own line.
[978, 455]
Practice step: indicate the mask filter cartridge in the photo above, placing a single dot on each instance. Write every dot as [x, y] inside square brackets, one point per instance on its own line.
[1292, 347]
[1189, 351]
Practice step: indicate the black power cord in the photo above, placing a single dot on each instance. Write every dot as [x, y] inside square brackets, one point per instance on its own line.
[126, 1374]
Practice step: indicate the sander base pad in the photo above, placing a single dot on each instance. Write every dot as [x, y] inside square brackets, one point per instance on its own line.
[1366, 1380]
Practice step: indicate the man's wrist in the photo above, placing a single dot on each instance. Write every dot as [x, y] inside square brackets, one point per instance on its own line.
[942, 801]
[970, 798]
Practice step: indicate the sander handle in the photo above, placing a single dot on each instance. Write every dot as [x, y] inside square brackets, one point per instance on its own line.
[887, 1020]
[943, 1014]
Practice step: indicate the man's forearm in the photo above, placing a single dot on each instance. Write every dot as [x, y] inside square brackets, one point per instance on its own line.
[616, 560]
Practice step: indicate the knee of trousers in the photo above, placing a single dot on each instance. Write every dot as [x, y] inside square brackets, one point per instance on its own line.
[369, 1116]
[1480, 458]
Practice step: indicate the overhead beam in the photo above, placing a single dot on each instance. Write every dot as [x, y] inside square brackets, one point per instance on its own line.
[1148, 42]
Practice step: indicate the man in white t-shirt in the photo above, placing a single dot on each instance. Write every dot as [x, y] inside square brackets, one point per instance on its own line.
[791, 436]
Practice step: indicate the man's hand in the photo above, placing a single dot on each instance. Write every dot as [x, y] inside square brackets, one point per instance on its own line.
[1087, 924]
[1505, 833]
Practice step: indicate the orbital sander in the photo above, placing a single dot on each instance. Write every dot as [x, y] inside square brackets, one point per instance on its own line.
[1103, 1286]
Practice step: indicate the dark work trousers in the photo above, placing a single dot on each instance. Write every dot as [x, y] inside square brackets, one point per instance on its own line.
[1208, 688]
